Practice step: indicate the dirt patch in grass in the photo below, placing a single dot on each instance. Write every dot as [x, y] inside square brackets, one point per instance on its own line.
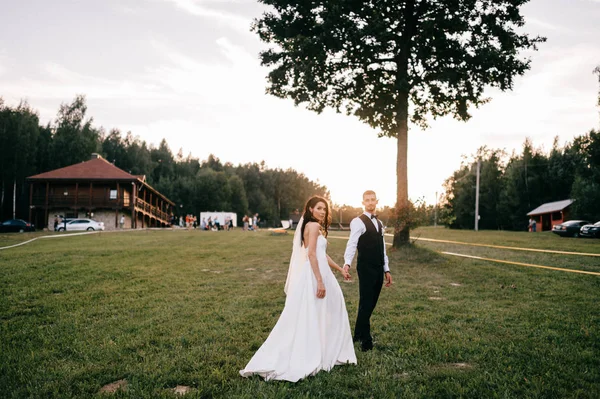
[114, 387]
[181, 390]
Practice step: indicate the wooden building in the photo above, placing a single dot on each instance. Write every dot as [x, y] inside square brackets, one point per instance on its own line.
[550, 214]
[98, 190]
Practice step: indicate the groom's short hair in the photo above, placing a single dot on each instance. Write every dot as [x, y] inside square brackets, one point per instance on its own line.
[369, 192]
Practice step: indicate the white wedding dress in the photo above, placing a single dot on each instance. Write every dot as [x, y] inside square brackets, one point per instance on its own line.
[311, 334]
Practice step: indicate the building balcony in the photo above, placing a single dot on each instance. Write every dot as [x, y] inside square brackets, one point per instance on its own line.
[79, 201]
[85, 201]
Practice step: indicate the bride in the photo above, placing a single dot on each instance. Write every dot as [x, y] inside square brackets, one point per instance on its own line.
[313, 332]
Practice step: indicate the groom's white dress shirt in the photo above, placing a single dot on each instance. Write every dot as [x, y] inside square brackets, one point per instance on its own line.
[357, 229]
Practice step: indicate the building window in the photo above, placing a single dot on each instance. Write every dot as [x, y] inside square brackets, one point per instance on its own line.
[557, 216]
[113, 194]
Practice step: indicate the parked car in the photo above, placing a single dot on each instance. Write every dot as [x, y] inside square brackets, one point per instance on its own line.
[590, 230]
[62, 222]
[16, 226]
[82, 224]
[570, 228]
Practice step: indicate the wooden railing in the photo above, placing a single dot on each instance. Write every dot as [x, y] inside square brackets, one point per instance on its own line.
[151, 210]
[82, 200]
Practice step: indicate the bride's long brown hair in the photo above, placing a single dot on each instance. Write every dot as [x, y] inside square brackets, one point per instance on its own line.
[308, 216]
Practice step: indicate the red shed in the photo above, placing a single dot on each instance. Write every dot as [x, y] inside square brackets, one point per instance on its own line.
[551, 213]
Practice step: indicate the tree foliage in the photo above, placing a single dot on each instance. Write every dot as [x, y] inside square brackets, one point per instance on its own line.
[387, 62]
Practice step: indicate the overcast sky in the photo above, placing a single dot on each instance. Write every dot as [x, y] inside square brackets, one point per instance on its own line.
[188, 71]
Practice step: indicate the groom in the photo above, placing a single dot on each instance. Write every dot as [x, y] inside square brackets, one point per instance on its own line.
[366, 235]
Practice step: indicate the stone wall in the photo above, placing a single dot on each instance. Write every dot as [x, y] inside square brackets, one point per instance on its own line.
[104, 216]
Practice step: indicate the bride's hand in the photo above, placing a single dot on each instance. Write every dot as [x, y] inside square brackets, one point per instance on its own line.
[320, 290]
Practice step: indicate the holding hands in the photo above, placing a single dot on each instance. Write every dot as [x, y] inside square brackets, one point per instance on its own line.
[346, 275]
[346, 272]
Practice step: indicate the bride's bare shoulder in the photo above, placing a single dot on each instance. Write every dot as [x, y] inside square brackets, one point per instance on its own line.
[312, 225]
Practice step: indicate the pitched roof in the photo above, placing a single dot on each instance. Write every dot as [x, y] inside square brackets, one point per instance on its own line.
[550, 207]
[94, 169]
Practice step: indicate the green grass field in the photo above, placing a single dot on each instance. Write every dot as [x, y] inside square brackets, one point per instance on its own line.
[167, 308]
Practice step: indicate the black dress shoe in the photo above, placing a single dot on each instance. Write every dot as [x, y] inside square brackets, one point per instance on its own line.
[366, 346]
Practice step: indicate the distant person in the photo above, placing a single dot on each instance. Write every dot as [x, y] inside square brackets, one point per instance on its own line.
[530, 224]
[533, 225]
[245, 221]
[55, 223]
[230, 225]
[122, 221]
[250, 225]
[255, 221]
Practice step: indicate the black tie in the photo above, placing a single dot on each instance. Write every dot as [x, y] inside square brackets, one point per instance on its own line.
[373, 216]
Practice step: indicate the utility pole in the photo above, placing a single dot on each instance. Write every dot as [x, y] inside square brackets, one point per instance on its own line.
[15, 199]
[477, 197]
[435, 213]
[597, 71]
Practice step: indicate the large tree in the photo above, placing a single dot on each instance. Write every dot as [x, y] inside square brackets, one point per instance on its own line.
[389, 61]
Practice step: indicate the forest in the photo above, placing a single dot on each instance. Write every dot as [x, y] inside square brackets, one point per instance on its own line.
[28, 148]
[511, 186]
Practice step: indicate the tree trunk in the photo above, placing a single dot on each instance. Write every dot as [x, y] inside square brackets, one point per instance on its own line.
[401, 229]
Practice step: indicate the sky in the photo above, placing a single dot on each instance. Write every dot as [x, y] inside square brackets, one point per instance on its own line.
[188, 71]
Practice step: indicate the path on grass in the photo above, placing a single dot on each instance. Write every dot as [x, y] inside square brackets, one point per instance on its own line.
[68, 234]
[50, 236]
[415, 239]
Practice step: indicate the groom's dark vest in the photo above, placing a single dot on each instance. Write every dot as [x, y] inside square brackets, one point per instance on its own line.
[370, 244]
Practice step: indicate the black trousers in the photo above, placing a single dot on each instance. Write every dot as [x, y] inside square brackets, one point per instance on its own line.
[370, 281]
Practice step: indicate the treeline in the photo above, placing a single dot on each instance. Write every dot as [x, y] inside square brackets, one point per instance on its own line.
[27, 148]
[510, 187]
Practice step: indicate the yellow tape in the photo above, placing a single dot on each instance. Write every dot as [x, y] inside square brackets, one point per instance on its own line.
[521, 264]
[550, 251]
[506, 261]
